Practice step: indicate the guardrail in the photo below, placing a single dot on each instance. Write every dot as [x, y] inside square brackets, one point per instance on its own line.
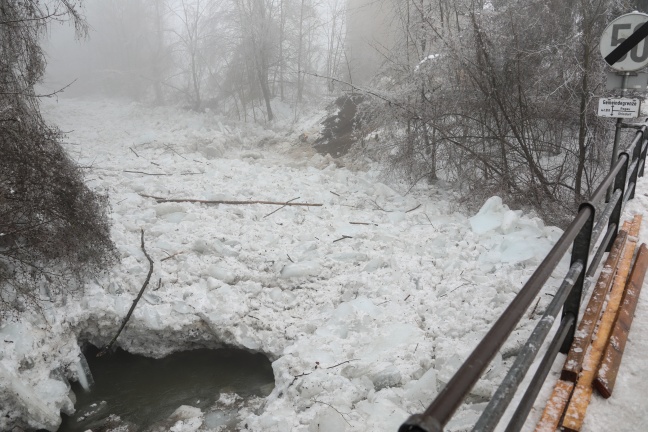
[583, 234]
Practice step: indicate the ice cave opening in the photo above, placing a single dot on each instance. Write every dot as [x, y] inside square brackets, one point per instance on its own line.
[151, 393]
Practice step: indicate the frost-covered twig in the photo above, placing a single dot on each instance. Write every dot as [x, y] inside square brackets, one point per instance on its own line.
[412, 209]
[453, 290]
[336, 410]
[171, 256]
[340, 364]
[344, 237]
[275, 211]
[131, 149]
[145, 173]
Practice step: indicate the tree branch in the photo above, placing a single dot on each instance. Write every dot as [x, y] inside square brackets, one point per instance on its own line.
[191, 200]
[105, 349]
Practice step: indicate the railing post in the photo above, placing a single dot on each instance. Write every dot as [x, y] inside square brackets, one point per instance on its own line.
[636, 155]
[644, 149]
[619, 183]
[580, 252]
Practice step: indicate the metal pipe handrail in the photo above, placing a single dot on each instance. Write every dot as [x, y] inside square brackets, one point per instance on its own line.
[505, 392]
[525, 405]
[453, 394]
[584, 235]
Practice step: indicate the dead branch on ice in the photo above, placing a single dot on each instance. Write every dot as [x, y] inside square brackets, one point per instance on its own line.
[105, 349]
[191, 200]
[275, 211]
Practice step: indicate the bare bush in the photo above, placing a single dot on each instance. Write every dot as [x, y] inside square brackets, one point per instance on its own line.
[497, 107]
[54, 230]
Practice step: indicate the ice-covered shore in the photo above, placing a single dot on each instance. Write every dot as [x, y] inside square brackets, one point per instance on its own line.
[366, 304]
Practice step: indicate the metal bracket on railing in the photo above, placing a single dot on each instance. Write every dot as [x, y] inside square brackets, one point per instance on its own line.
[580, 252]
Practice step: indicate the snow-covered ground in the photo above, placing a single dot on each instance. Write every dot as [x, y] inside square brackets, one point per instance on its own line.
[366, 304]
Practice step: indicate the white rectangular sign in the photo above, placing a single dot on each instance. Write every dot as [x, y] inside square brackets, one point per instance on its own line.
[619, 108]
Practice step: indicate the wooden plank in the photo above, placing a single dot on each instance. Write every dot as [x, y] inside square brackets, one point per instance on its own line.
[555, 407]
[607, 373]
[636, 226]
[575, 414]
[583, 335]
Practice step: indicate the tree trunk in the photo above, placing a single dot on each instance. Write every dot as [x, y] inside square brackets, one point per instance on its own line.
[300, 85]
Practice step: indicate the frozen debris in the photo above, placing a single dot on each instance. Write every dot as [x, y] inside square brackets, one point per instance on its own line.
[348, 352]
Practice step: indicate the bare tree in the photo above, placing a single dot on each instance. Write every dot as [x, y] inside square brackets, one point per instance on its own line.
[53, 229]
[498, 98]
[256, 31]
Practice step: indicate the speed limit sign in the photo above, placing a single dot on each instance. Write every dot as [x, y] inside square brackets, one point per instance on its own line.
[623, 42]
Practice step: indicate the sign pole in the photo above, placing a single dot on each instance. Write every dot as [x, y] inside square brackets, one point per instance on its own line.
[617, 135]
[624, 47]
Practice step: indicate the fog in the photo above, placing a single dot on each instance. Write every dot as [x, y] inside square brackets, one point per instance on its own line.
[229, 56]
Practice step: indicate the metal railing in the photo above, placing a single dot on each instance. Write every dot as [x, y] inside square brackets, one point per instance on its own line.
[583, 235]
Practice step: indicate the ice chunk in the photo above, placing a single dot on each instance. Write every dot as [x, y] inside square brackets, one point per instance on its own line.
[168, 208]
[382, 190]
[300, 269]
[423, 389]
[509, 220]
[201, 246]
[83, 373]
[386, 377]
[186, 419]
[146, 138]
[396, 217]
[182, 308]
[215, 419]
[222, 249]
[175, 217]
[381, 414]
[489, 217]
[223, 274]
[517, 252]
[328, 420]
[21, 337]
[350, 256]
[40, 414]
[374, 264]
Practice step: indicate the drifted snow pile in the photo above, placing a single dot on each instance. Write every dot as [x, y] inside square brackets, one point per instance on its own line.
[366, 305]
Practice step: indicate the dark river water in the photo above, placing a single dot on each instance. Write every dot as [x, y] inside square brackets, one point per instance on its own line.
[143, 390]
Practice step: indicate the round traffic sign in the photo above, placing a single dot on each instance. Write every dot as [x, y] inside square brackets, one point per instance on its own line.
[633, 55]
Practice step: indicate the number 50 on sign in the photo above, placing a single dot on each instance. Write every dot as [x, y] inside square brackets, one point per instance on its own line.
[632, 55]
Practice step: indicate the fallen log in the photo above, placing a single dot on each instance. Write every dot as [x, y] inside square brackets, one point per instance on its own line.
[191, 200]
[609, 368]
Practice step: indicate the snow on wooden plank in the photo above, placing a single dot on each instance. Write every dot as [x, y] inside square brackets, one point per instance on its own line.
[555, 408]
[609, 367]
[583, 335]
[575, 414]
